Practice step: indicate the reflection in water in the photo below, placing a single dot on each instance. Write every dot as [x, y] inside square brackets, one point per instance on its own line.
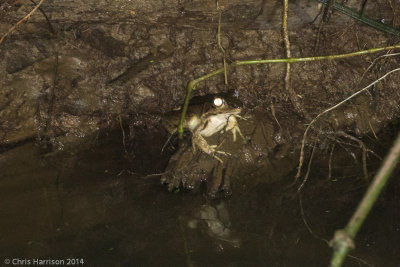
[83, 205]
[216, 221]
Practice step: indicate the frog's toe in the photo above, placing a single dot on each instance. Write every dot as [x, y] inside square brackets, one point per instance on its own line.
[222, 153]
[174, 184]
[235, 130]
[164, 179]
[217, 158]
[213, 152]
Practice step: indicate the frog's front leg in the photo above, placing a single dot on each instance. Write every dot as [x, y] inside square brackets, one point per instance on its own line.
[233, 126]
[198, 140]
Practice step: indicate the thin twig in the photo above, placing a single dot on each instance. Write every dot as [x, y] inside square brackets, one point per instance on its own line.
[372, 129]
[326, 10]
[330, 163]
[364, 151]
[285, 29]
[393, 7]
[219, 42]
[308, 169]
[123, 133]
[20, 21]
[320, 25]
[301, 159]
[375, 60]
[47, 18]
[303, 217]
[292, 94]
[274, 114]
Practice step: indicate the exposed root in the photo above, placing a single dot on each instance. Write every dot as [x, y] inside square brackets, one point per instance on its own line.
[372, 130]
[375, 60]
[285, 29]
[330, 163]
[292, 94]
[326, 11]
[392, 4]
[46, 17]
[303, 217]
[317, 38]
[301, 158]
[308, 168]
[360, 260]
[123, 133]
[364, 151]
[274, 114]
[219, 41]
[20, 21]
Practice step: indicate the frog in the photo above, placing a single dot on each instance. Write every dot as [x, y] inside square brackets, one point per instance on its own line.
[204, 121]
[215, 220]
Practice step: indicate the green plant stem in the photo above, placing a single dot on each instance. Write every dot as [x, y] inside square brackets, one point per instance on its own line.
[192, 84]
[330, 57]
[341, 240]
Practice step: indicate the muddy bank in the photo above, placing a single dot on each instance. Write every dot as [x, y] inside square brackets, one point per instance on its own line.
[85, 89]
[75, 70]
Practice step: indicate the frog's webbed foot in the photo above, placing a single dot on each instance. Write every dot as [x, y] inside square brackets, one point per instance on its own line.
[187, 170]
[182, 170]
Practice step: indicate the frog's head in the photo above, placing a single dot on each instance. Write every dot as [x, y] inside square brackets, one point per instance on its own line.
[200, 107]
[220, 105]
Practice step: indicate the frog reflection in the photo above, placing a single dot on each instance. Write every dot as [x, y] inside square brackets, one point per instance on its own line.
[215, 220]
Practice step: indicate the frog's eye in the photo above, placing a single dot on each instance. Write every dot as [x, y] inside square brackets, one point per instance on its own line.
[218, 102]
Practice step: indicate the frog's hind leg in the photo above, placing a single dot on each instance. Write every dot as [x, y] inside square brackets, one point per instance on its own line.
[199, 141]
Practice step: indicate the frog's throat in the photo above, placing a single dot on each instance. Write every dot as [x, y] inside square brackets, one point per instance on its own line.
[193, 123]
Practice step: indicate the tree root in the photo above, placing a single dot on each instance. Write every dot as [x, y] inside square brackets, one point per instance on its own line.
[301, 158]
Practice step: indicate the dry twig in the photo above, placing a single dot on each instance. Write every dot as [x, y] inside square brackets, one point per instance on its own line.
[292, 94]
[364, 151]
[374, 62]
[308, 168]
[219, 41]
[20, 21]
[330, 163]
[123, 133]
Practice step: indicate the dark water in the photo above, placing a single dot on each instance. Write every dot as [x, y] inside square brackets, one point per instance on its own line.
[88, 206]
